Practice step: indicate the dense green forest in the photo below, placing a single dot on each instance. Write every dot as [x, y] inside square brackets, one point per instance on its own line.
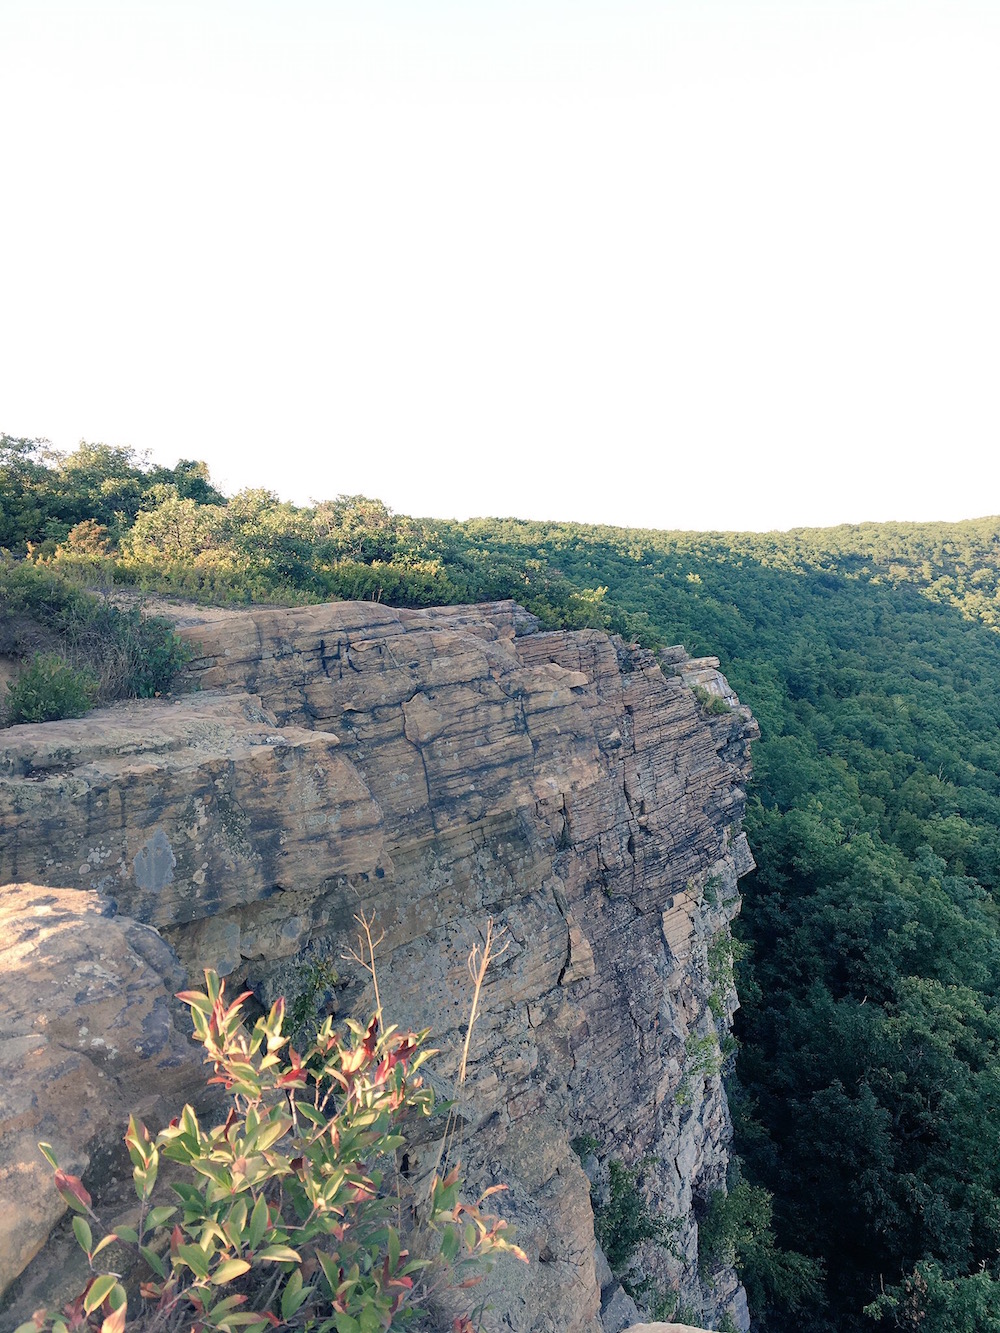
[867, 1089]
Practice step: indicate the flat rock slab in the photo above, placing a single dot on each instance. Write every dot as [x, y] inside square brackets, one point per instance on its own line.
[178, 809]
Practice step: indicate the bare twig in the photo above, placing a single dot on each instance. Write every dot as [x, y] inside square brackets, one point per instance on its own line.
[364, 955]
[494, 946]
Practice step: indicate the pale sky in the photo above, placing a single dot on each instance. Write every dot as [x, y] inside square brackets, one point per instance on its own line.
[679, 264]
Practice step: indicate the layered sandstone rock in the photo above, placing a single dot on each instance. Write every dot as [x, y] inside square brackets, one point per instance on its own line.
[441, 769]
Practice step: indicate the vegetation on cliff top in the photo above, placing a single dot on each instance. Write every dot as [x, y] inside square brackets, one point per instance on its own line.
[76, 649]
[870, 1028]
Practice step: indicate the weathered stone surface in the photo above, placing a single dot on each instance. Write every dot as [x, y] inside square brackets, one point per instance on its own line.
[181, 809]
[87, 1034]
[618, 1309]
[547, 1199]
[442, 769]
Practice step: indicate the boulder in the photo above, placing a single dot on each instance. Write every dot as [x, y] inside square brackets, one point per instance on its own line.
[89, 1032]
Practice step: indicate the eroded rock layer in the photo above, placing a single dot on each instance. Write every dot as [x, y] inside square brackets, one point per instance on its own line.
[440, 769]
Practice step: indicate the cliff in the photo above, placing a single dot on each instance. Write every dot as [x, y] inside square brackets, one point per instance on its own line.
[437, 768]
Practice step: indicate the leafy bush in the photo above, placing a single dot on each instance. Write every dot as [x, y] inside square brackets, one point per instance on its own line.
[625, 1222]
[106, 652]
[50, 689]
[292, 1216]
[704, 1060]
[933, 1302]
[737, 1229]
[712, 704]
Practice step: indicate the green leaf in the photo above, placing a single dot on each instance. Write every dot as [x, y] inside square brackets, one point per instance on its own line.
[99, 1289]
[232, 1268]
[83, 1234]
[215, 1171]
[157, 1217]
[195, 1258]
[151, 1173]
[449, 1244]
[129, 1235]
[227, 1303]
[103, 1244]
[236, 1222]
[258, 1223]
[293, 1295]
[188, 1195]
[280, 1254]
[370, 1320]
[331, 1270]
[180, 1148]
[46, 1150]
[271, 1133]
[345, 1324]
[154, 1261]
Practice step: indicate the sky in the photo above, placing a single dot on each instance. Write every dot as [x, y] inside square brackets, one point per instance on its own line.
[704, 264]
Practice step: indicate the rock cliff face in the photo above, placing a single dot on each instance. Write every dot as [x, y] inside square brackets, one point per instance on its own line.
[440, 768]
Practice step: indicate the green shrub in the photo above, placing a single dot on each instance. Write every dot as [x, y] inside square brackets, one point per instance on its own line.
[712, 704]
[625, 1222]
[291, 1217]
[315, 980]
[704, 1061]
[119, 652]
[50, 689]
[584, 1145]
[932, 1301]
[737, 1230]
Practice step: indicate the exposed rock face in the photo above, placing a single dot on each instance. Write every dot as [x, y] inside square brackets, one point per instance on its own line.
[87, 1035]
[441, 768]
[181, 810]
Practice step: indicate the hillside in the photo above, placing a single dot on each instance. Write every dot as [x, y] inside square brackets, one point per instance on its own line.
[866, 1086]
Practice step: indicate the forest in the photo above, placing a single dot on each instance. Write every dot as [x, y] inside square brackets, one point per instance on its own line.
[866, 1090]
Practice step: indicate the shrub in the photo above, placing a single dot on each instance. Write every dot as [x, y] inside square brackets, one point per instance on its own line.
[712, 704]
[737, 1229]
[292, 1215]
[704, 1061]
[49, 689]
[122, 652]
[625, 1222]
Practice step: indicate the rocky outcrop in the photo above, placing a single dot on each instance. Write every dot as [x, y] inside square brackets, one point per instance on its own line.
[88, 1034]
[444, 768]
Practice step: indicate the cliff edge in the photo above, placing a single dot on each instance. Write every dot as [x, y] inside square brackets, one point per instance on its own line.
[439, 769]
